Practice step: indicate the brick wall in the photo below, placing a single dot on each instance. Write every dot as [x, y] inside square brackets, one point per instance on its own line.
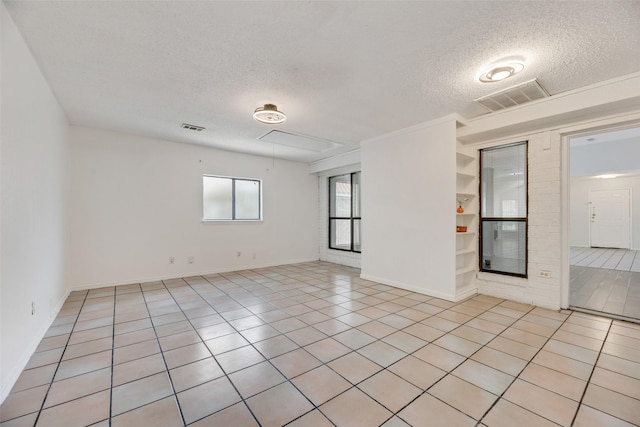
[544, 226]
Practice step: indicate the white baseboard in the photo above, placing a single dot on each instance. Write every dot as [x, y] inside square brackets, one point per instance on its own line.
[9, 381]
[466, 292]
[189, 274]
[408, 287]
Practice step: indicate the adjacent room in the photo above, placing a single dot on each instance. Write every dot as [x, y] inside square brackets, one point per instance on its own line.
[605, 181]
[319, 213]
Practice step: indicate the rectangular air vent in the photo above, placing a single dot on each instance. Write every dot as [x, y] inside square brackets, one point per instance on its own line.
[302, 142]
[192, 127]
[515, 95]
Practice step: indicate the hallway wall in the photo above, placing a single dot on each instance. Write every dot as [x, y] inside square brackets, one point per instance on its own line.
[579, 221]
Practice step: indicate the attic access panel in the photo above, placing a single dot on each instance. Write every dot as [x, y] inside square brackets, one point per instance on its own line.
[302, 142]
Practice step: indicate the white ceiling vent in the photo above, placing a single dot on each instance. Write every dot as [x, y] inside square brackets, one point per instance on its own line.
[302, 142]
[192, 127]
[515, 95]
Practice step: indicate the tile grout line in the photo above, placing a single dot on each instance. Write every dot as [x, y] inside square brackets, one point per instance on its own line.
[226, 375]
[287, 379]
[394, 413]
[352, 385]
[530, 361]
[302, 347]
[588, 382]
[380, 339]
[164, 361]
[425, 391]
[450, 372]
[60, 360]
[113, 351]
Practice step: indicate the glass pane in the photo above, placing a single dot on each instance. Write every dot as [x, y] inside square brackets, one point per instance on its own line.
[504, 246]
[340, 230]
[247, 199]
[217, 197]
[504, 177]
[357, 240]
[340, 195]
[355, 190]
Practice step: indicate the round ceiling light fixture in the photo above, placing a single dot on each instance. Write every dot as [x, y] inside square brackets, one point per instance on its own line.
[269, 114]
[501, 71]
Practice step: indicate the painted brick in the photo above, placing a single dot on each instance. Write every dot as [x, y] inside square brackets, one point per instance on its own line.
[544, 184]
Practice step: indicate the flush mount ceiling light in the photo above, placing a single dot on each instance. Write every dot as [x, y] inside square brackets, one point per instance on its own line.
[501, 71]
[269, 114]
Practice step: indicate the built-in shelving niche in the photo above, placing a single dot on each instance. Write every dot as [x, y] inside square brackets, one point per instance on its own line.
[467, 241]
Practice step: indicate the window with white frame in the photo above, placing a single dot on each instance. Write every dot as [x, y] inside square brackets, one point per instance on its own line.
[344, 212]
[503, 212]
[231, 199]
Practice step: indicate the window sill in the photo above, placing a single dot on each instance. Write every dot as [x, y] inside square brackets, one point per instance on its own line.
[231, 220]
[503, 278]
[343, 251]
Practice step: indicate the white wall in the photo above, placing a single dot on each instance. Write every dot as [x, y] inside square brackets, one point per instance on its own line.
[408, 205]
[605, 157]
[34, 184]
[137, 201]
[579, 209]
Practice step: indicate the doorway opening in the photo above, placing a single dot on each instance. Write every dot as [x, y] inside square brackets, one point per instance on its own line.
[604, 223]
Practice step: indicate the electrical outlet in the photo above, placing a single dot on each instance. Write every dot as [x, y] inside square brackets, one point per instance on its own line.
[33, 308]
[238, 254]
[190, 260]
[172, 260]
[544, 273]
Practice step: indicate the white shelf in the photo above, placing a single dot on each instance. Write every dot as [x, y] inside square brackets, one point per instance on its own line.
[465, 251]
[465, 157]
[465, 176]
[465, 270]
[466, 187]
[467, 195]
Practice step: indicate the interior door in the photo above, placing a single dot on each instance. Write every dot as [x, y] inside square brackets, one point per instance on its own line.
[610, 218]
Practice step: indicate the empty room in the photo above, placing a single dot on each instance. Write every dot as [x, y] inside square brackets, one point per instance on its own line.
[313, 213]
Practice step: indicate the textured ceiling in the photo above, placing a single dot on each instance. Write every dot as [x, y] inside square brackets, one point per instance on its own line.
[341, 71]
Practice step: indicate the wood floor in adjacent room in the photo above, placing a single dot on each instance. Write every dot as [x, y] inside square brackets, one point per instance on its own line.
[606, 280]
[607, 258]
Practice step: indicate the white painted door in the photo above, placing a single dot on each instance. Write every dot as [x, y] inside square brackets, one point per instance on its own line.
[610, 218]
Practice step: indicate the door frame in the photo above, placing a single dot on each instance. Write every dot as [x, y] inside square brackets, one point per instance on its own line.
[562, 136]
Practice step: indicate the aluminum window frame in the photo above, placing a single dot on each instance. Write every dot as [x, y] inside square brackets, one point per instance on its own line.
[351, 218]
[233, 199]
[524, 219]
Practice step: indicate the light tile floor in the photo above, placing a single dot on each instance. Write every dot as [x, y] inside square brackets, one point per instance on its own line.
[314, 345]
